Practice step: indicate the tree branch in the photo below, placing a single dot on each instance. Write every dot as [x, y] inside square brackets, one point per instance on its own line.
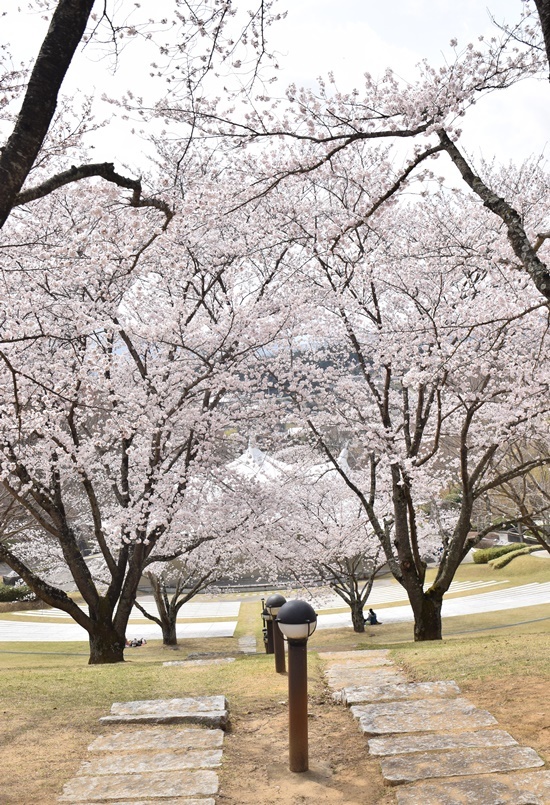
[523, 249]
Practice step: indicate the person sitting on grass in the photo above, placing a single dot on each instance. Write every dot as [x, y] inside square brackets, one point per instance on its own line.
[371, 618]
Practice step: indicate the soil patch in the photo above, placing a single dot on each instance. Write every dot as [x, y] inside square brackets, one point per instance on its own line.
[255, 767]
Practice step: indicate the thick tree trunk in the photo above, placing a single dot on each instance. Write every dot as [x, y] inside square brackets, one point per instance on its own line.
[357, 617]
[106, 645]
[169, 636]
[427, 618]
[543, 8]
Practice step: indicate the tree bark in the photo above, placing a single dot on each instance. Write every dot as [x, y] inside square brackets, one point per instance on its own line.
[357, 617]
[427, 618]
[17, 157]
[106, 644]
[169, 635]
[543, 8]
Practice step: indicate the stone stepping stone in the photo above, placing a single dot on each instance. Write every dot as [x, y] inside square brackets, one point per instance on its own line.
[191, 663]
[361, 662]
[396, 692]
[403, 744]
[152, 761]
[458, 763]
[350, 677]
[158, 739]
[87, 789]
[336, 656]
[178, 801]
[208, 710]
[532, 788]
[421, 716]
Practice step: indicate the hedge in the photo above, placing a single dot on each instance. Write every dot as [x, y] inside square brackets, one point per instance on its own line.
[485, 555]
[18, 592]
[502, 561]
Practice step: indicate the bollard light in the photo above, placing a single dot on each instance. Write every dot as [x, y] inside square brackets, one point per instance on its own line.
[273, 604]
[297, 621]
[268, 631]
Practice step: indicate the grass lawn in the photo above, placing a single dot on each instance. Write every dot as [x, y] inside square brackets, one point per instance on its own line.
[51, 700]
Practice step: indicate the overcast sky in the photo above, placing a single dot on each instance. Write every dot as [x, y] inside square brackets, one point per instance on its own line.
[349, 38]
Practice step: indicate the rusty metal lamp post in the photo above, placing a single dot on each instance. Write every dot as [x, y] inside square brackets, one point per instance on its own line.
[297, 620]
[273, 605]
[268, 630]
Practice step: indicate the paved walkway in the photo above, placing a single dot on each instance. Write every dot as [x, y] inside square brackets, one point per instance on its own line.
[158, 763]
[526, 595]
[33, 626]
[18, 631]
[389, 591]
[438, 747]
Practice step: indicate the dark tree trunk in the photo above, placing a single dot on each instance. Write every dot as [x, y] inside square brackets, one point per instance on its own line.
[20, 151]
[169, 636]
[427, 618]
[543, 8]
[106, 645]
[357, 617]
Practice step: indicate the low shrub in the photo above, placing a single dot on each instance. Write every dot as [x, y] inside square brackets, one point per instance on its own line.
[18, 592]
[487, 554]
[502, 561]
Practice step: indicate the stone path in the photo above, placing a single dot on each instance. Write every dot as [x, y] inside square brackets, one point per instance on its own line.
[158, 764]
[527, 595]
[210, 711]
[439, 748]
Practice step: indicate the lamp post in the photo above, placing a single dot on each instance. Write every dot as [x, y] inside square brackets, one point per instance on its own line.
[297, 620]
[273, 605]
[268, 630]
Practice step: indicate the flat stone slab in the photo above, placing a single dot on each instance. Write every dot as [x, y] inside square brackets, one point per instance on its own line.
[350, 677]
[459, 763]
[152, 761]
[140, 786]
[208, 710]
[360, 662]
[177, 801]
[336, 656]
[421, 716]
[196, 704]
[158, 739]
[499, 789]
[398, 692]
[191, 663]
[216, 720]
[403, 744]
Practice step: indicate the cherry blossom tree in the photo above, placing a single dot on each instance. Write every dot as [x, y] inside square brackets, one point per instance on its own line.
[525, 501]
[175, 584]
[123, 363]
[405, 337]
[328, 538]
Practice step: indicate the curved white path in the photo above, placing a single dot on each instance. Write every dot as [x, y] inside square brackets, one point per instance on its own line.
[33, 626]
[528, 595]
